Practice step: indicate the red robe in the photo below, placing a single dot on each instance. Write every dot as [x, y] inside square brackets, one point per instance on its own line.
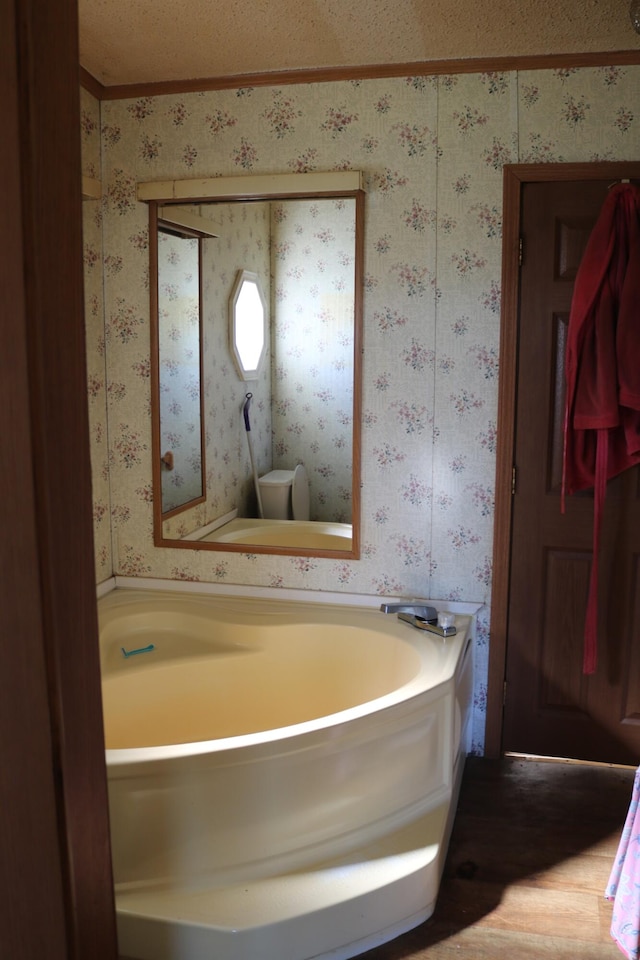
[602, 369]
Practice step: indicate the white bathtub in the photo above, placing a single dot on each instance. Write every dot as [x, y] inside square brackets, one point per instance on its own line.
[282, 776]
[301, 534]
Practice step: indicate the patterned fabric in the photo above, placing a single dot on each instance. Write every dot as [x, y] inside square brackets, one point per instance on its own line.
[602, 421]
[624, 882]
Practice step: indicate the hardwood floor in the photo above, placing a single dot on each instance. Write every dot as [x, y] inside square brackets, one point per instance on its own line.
[530, 854]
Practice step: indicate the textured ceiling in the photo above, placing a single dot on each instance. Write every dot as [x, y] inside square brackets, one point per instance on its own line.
[146, 41]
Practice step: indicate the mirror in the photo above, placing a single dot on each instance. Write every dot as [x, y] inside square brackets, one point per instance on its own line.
[182, 470]
[279, 454]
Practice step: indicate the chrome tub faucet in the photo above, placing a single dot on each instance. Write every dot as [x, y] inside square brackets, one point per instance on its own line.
[420, 615]
[418, 608]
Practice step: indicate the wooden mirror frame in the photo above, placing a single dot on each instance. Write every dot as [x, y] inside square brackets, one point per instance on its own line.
[303, 186]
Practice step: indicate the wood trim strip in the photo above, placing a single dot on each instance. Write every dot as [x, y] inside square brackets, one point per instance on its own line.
[54, 426]
[154, 381]
[358, 351]
[91, 85]
[515, 176]
[34, 902]
[366, 72]
[504, 459]
[203, 432]
[192, 224]
[277, 186]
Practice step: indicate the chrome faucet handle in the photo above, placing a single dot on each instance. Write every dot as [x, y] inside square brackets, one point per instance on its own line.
[419, 608]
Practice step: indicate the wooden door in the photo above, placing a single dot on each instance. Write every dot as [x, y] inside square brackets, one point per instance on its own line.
[551, 707]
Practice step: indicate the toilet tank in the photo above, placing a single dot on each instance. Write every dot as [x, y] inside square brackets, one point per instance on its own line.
[275, 493]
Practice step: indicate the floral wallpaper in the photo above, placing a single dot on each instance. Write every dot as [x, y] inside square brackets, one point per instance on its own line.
[312, 257]
[243, 245]
[432, 151]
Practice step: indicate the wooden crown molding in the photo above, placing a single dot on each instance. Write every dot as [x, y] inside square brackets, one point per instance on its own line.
[550, 61]
[91, 85]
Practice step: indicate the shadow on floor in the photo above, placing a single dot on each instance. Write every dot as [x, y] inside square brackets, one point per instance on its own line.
[542, 835]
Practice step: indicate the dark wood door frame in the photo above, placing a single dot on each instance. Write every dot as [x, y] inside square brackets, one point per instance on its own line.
[55, 866]
[515, 177]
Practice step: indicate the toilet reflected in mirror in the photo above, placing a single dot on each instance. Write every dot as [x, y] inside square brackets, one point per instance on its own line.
[285, 494]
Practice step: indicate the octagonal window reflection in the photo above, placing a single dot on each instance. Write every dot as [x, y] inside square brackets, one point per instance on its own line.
[248, 324]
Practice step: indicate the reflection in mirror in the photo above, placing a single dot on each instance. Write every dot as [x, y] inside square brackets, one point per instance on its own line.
[247, 324]
[286, 479]
[180, 375]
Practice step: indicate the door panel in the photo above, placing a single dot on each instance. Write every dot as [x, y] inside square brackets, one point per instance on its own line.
[551, 708]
